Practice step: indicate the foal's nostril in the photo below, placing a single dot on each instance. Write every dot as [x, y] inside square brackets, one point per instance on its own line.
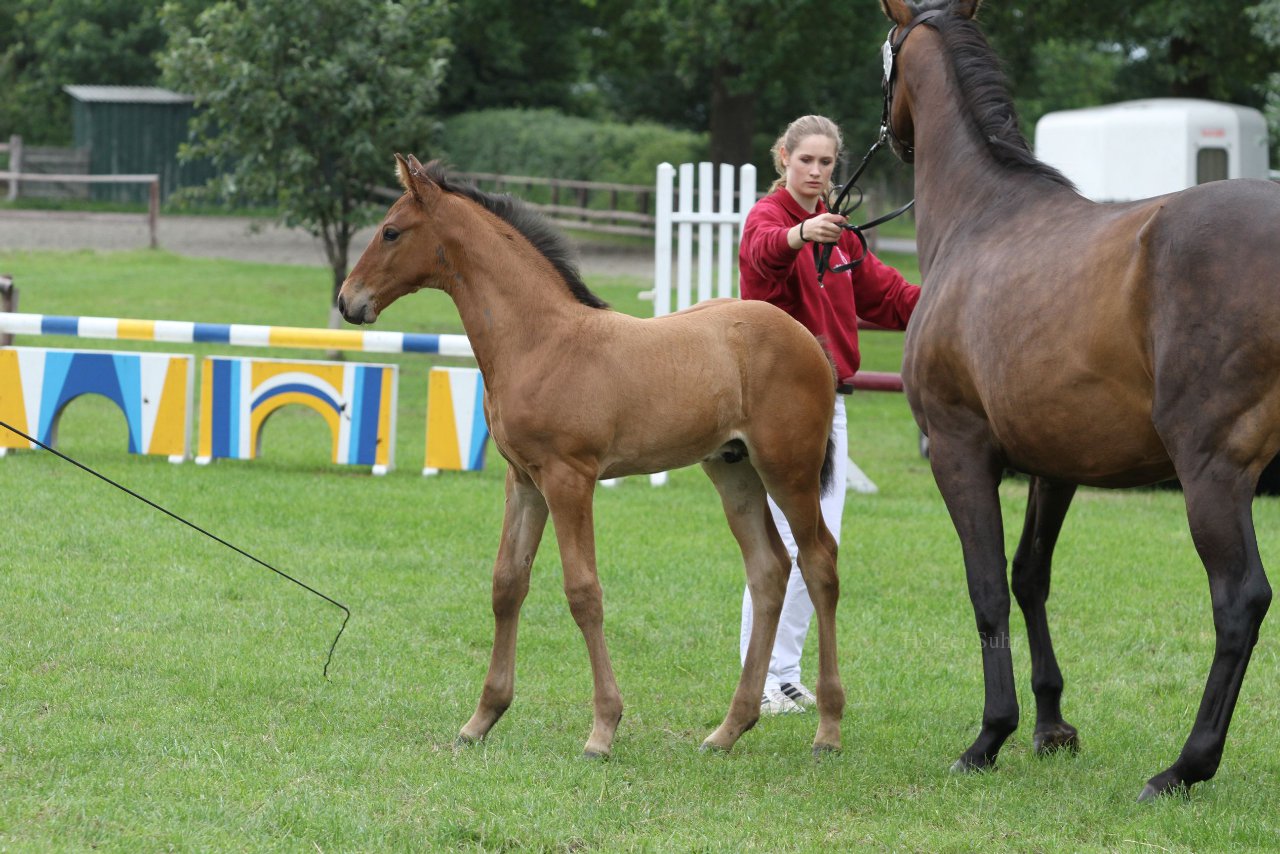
[342, 305]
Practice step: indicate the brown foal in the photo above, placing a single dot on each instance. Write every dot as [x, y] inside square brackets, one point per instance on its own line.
[575, 393]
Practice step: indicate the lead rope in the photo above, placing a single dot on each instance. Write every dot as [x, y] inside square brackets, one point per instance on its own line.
[173, 515]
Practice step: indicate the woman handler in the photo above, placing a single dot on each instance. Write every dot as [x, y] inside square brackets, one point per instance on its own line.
[777, 265]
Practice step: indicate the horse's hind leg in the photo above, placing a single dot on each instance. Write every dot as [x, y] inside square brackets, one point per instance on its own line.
[768, 565]
[1047, 505]
[1219, 506]
[523, 522]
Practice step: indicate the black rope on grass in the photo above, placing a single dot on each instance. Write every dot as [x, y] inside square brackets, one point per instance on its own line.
[196, 527]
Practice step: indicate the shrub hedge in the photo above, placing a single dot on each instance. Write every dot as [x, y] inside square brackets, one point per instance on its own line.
[547, 143]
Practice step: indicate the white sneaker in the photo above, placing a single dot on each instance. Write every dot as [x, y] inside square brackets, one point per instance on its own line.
[774, 702]
[798, 694]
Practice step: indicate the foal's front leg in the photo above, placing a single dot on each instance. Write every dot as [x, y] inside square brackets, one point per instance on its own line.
[569, 494]
[523, 522]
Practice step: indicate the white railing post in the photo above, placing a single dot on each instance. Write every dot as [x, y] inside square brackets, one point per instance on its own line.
[725, 243]
[684, 237]
[706, 207]
[662, 240]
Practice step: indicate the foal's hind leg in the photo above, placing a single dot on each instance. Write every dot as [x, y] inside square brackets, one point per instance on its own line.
[523, 522]
[1047, 505]
[800, 503]
[768, 565]
[1219, 506]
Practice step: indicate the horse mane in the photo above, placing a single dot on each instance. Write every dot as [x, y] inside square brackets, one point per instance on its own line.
[989, 104]
[546, 238]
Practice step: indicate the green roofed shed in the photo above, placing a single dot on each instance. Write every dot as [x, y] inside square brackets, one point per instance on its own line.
[133, 130]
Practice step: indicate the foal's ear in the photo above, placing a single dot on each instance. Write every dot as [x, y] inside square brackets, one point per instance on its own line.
[897, 11]
[414, 177]
[405, 172]
[966, 8]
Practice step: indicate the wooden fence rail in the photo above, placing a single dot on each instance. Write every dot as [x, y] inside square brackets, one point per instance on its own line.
[598, 206]
[153, 200]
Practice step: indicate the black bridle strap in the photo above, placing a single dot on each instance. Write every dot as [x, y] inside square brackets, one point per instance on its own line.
[822, 256]
[891, 72]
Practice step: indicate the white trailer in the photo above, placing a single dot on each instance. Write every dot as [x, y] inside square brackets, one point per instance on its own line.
[1138, 149]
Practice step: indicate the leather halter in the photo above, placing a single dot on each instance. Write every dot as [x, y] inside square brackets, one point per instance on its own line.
[890, 51]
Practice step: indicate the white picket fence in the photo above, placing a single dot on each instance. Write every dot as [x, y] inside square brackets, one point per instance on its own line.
[718, 217]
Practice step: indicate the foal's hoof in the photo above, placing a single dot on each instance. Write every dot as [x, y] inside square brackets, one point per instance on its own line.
[1061, 737]
[821, 750]
[601, 755]
[463, 740]
[712, 747]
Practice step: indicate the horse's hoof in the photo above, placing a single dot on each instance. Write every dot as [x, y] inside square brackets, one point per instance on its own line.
[964, 765]
[1158, 788]
[601, 755]
[1051, 741]
[712, 747]
[821, 750]
[463, 740]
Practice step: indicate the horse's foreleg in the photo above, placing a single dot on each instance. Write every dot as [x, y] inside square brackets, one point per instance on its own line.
[768, 566]
[1047, 505]
[968, 476]
[569, 494]
[523, 522]
[1219, 507]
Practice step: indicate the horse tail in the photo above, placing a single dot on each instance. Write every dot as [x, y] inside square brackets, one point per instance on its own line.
[826, 476]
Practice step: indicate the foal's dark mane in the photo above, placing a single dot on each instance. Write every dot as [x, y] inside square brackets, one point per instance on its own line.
[989, 105]
[545, 237]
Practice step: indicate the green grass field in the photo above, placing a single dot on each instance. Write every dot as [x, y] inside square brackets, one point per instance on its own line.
[159, 692]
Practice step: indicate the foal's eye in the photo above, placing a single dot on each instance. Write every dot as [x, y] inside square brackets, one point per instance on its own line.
[389, 234]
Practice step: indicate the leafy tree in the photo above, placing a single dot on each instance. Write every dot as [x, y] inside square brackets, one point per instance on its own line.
[529, 54]
[1266, 25]
[741, 69]
[302, 102]
[46, 44]
[1062, 54]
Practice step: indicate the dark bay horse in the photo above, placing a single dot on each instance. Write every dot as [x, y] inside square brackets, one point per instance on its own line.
[575, 393]
[1105, 345]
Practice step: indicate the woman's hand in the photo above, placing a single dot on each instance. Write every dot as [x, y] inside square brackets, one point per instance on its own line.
[823, 228]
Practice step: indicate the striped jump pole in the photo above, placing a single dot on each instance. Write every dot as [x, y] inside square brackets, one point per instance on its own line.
[235, 334]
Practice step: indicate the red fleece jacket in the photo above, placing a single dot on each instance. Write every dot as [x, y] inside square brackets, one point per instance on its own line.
[772, 271]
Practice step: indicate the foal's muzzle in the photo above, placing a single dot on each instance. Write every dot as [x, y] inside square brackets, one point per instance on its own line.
[355, 309]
